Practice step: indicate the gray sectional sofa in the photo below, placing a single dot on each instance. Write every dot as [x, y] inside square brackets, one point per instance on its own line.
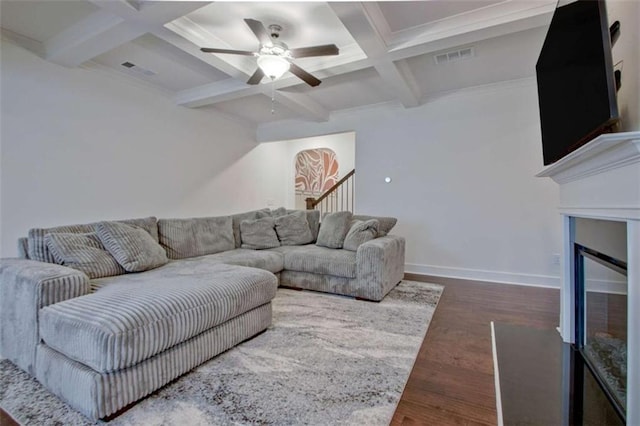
[103, 314]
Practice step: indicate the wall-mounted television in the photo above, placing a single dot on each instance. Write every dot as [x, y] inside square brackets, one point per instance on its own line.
[575, 75]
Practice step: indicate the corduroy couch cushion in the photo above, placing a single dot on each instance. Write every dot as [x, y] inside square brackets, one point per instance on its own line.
[333, 229]
[360, 233]
[196, 236]
[236, 219]
[258, 234]
[37, 246]
[386, 223]
[83, 252]
[121, 325]
[319, 260]
[131, 246]
[293, 229]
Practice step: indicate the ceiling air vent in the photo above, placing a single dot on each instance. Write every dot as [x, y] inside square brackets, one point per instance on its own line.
[138, 69]
[454, 55]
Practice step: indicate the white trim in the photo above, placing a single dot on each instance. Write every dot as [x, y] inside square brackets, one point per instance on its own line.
[605, 153]
[496, 375]
[501, 277]
[633, 320]
[614, 213]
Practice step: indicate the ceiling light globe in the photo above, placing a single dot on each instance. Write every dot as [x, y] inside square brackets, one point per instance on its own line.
[273, 66]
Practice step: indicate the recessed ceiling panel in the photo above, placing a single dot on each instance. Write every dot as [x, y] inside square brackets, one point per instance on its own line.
[498, 59]
[401, 15]
[303, 24]
[39, 19]
[257, 109]
[168, 66]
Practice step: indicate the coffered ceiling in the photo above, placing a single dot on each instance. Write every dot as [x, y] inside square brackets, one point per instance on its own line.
[400, 52]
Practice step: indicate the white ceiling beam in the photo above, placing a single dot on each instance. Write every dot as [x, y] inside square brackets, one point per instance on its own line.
[116, 23]
[219, 91]
[89, 37]
[431, 43]
[496, 18]
[356, 20]
[231, 88]
[234, 88]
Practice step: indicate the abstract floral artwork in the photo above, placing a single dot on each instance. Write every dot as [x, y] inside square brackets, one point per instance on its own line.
[316, 171]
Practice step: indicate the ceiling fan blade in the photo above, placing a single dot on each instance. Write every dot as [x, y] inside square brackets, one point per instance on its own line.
[303, 75]
[324, 50]
[256, 78]
[232, 52]
[259, 30]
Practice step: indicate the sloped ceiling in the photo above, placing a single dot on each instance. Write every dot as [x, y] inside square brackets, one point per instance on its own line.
[387, 49]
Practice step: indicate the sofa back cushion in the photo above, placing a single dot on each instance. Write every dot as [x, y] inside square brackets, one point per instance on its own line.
[334, 229]
[293, 229]
[83, 252]
[313, 219]
[238, 218]
[38, 250]
[258, 234]
[133, 248]
[193, 237]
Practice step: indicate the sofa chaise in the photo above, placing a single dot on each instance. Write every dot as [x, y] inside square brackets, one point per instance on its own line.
[137, 303]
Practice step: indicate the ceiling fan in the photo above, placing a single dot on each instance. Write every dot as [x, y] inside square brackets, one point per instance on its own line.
[274, 57]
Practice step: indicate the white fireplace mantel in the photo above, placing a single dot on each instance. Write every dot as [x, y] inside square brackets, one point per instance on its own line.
[601, 180]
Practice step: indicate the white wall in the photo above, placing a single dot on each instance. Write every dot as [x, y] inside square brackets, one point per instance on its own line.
[343, 144]
[627, 50]
[463, 187]
[79, 145]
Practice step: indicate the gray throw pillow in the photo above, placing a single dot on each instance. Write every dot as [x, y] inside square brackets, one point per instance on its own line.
[293, 229]
[198, 236]
[333, 229]
[37, 247]
[83, 252]
[238, 218]
[258, 234]
[361, 232]
[131, 246]
[386, 223]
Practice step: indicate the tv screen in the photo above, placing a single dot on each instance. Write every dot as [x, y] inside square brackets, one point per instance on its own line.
[576, 86]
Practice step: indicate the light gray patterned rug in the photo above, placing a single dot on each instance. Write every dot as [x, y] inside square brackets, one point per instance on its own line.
[325, 360]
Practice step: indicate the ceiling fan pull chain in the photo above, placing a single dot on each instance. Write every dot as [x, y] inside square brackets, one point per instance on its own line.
[273, 97]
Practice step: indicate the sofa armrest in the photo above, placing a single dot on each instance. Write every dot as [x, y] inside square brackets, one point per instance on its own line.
[25, 287]
[380, 265]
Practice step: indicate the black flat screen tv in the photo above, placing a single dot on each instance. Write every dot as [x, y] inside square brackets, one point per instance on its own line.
[576, 85]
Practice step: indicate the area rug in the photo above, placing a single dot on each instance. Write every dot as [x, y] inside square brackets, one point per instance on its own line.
[325, 360]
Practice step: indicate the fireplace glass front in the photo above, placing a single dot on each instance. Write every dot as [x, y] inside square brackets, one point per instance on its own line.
[605, 326]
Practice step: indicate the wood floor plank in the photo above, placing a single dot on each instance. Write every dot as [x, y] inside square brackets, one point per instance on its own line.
[452, 381]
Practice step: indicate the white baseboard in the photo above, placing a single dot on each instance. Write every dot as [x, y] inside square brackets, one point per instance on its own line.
[482, 275]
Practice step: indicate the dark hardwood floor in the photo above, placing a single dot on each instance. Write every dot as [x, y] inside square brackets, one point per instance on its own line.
[6, 420]
[452, 379]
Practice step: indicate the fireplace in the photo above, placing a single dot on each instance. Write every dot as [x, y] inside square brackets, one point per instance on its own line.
[600, 335]
[600, 280]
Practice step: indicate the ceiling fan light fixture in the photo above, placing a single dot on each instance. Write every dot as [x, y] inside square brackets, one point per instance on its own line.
[273, 66]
